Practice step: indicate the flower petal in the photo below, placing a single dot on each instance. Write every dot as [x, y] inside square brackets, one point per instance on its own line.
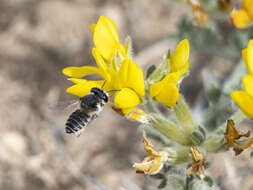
[126, 98]
[134, 77]
[101, 64]
[154, 162]
[248, 5]
[247, 54]
[158, 86]
[200, 16]
[131, 75]
[83, 88]
[100, 83]
[245, 58]
[79, 72]
[76, 81]
[106, 38]
[233, 138]
[126, 111]
[231, 134]
[179, 59]
[248, 83]
[148, 166]
[138, 115]
[122, 75]
[199, 163]
[168, 95]
[143, 167]
[245, 101]
[157, 165]
[150, 149]
[246, 144]
[240, 18]
[92, 28]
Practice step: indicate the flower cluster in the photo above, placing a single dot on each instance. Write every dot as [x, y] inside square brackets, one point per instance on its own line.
[115, 66]
[166, 90]
[121, 73]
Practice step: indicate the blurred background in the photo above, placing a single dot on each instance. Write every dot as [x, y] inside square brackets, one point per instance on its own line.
[38, 38]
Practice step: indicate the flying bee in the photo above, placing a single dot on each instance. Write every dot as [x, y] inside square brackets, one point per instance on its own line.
[90, 107]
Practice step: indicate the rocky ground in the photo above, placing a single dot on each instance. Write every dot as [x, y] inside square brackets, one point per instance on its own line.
[41, 37]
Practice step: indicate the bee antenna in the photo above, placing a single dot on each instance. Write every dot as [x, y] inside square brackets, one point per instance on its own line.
[103, 84]
[113, 91]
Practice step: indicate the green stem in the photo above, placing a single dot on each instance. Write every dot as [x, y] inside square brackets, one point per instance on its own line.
[214, 144]
[154, 134]
[184, 116]
[149, 103]
[169, 129]
[150, 107]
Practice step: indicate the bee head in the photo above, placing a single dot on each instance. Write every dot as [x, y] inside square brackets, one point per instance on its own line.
[100, 93]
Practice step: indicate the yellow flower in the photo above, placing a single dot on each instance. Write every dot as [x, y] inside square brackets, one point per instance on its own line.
[244, 99]
[126, 77]
[244, 16]
[179, 61]
[232, 138]
[247, 54]
[106, 39]
[128, 80]
[154, 162]
[166, 91]
[199, 163]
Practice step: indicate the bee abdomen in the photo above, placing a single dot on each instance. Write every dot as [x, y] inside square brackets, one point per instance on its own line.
[76, 122]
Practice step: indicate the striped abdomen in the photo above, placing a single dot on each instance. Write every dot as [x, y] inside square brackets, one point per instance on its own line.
[77, 122]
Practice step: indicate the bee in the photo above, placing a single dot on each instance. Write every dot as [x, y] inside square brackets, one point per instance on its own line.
[90, 107]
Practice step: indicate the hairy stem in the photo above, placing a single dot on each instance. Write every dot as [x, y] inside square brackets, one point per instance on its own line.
[184, 116]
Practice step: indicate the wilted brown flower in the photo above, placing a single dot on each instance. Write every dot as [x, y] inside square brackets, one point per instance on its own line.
[154, 162]
[199, 162]
[200, 16]
[225, 4]
[232, 137]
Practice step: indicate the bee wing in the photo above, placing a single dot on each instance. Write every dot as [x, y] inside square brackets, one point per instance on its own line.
[63, 106]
